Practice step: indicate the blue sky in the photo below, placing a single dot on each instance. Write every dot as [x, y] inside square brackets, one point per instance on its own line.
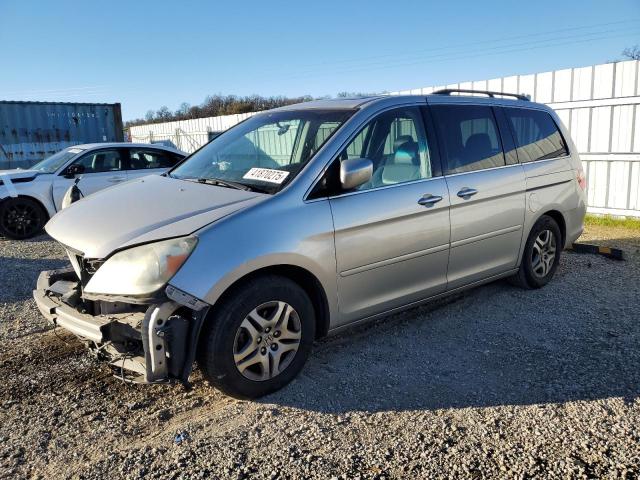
[146, 54]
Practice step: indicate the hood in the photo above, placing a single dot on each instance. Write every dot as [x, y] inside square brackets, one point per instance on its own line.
[144, 210]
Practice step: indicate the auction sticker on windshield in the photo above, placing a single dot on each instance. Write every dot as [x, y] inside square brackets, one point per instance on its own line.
[266, 175]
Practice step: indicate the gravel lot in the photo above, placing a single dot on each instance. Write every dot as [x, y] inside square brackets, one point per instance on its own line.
[494, 382]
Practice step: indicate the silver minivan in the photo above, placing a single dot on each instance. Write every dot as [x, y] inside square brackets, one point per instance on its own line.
[304, 220]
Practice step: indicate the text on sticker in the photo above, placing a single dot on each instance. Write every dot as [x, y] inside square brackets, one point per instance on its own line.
[266, 175]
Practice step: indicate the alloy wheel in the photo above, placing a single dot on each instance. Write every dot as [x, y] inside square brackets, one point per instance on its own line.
[21, 219]
[267, 341]
[543, 253]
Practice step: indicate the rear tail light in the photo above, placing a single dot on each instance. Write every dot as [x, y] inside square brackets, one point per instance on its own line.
[582, 179]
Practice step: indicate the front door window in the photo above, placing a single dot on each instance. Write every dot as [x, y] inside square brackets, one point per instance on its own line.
[101, 161]
[396, 143]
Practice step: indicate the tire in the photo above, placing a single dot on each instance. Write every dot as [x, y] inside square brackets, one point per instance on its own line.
[232, 335]
[534, 273]
[21, 218]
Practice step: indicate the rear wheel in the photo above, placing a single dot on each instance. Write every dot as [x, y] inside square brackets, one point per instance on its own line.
[21, 218]
[259, 337]
[541, 254]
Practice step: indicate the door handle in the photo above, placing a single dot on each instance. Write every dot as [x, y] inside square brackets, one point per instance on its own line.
[116, 179]
[467, 192]
[429, 200]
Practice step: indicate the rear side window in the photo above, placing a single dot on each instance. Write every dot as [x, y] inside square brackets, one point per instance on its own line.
[469, 137]
[536, 134]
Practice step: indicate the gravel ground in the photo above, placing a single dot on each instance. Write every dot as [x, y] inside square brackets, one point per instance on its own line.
[496, 382]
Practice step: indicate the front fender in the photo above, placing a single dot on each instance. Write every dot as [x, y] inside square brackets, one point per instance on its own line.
[43, 201]
[37, 190]
[273, 233]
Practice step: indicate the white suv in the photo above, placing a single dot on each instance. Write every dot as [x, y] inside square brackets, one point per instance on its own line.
[28, 198]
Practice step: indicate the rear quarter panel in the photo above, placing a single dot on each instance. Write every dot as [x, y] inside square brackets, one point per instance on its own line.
[551, 185]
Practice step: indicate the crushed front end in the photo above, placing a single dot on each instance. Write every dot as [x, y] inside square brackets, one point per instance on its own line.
[146, 339]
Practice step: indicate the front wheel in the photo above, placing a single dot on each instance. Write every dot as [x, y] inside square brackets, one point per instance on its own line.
[21, 218]
[259, 338]
[541, 254]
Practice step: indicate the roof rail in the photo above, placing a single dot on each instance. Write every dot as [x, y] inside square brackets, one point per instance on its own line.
[449, 91]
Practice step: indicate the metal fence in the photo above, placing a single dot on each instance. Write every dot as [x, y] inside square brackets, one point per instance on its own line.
[598, 104]
[187, 135]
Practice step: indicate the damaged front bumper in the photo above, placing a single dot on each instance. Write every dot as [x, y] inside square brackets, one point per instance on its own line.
[151, 342]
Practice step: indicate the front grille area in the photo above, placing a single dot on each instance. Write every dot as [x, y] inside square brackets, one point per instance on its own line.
[84, 268]
[88, 268]
[91, 266]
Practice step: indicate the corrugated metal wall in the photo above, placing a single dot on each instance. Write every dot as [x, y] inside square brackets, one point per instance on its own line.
[598, 104]
[31, 131]
[187, 135]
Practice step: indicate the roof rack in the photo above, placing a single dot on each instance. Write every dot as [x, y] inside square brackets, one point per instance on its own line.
[449, 91]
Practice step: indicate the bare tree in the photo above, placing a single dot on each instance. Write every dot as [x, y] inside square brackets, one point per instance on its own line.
[183, 111]
[163, 113]
[215, 105]
[632, 53]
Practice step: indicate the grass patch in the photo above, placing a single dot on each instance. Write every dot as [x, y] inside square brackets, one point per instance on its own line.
[610, 221]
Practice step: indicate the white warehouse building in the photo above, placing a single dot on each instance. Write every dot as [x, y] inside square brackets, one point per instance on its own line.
[598, 104]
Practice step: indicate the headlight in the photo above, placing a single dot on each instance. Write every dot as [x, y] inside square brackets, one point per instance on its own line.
[66, 200]
[141, 270]
[72, 195]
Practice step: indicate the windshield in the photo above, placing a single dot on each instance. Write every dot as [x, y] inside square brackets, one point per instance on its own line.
[264, 152]
[55, 161]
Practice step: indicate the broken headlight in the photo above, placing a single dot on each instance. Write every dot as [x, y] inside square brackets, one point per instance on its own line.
[141, 270]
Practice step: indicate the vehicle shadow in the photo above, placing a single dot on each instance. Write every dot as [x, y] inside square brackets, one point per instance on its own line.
[575, 339]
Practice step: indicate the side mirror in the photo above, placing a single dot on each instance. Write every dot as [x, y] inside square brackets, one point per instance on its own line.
[355, 171]
[73, 170]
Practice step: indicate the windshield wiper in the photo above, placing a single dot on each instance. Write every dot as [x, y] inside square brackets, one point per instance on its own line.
[225, 183]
